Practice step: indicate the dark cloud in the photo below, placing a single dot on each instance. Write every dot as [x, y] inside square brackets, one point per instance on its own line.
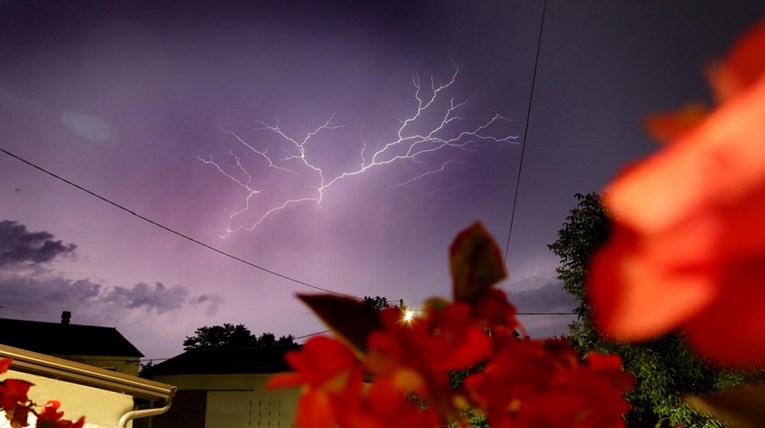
[212, 301]
[158, 298]
[44, 298]
[542, 294]
[18, 245]
[40, 294]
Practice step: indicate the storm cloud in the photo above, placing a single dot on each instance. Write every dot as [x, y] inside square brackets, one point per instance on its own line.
[41, 294]
[43, 299]
[18, 245]
[157, 298]
[542, 295]
[212, 301]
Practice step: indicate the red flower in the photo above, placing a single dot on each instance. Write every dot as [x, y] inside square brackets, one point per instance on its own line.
[688, 247]
[5, 363]
[417, 358]
[13, 392]
[385, 406]
[333, 381]
[52, 418]
[543, 384]
[410, 362]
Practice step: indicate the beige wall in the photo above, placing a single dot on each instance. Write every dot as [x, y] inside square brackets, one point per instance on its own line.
[240, 401]
[100, 408]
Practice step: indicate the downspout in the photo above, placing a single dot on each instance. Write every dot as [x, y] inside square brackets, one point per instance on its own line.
[145, 413]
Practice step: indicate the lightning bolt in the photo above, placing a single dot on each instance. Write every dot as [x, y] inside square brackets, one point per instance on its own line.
[431, 128]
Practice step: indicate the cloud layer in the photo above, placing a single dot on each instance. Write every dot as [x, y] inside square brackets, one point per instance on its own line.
[28, 292]
[538, 295]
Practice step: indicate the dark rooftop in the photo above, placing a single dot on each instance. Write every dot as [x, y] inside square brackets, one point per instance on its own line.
[63, 339]
[226, 361]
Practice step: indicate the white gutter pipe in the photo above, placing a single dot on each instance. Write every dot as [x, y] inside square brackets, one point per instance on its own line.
[83, 374]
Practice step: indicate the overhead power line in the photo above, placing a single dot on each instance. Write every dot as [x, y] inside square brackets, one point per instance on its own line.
[545, 313]
[173, 231]
[526, 129]
[312, 334]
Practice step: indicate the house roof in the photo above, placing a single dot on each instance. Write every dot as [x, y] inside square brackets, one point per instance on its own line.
[65, 339]
[226, 361]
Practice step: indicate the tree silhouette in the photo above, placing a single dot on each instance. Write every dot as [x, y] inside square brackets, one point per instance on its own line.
[232, 336]
[665, 369]
[377, 303]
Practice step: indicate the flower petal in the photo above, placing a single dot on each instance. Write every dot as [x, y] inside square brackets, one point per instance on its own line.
[636, 294]
[718, 162]
[731, 331]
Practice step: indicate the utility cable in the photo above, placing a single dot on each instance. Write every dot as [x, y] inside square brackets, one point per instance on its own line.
[174, 232]
[526, 130]
[545, 313]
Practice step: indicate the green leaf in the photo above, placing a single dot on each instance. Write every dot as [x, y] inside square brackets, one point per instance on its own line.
[476, 263]
[352, 320]
[741, 407]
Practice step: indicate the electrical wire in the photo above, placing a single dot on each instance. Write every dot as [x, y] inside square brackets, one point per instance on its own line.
[526, 129]
[545, 313]
[312, 334]
[173, 231]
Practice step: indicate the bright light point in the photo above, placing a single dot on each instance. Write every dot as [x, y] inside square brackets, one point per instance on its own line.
[408, 316]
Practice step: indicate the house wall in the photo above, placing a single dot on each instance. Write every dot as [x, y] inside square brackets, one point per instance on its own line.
[235, 401]
[100, 408]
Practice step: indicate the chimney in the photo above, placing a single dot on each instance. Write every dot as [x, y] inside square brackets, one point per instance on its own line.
[66, 316]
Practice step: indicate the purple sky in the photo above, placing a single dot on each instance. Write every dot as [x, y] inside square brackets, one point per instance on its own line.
[133, 101]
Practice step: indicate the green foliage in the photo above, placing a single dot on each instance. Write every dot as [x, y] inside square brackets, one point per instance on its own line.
[665, 369]
[232, 336]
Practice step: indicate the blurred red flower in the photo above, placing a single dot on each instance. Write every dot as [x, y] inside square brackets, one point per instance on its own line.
[13, 392]
[50, 417]
[332, 377]
[416, 367]
[688, 245]
[543, 383]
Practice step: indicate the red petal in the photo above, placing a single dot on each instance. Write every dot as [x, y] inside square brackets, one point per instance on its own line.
[315, 411]
[5, 363]
[598, 361]
[666, 126]
[718, 162]
[731, 331]
[742, 67]
[350, 319]
[475, 347]
[476, 263]
[636, 294]
[285, 380]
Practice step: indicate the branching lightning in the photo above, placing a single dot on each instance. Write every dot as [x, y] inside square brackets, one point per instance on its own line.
[431, 128]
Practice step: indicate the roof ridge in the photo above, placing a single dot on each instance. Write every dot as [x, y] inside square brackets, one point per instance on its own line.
[56, 323]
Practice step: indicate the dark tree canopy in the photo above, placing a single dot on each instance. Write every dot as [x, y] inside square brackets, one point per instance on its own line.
[585, 230]
[232, 336]
[377, 302]
[664, 369]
